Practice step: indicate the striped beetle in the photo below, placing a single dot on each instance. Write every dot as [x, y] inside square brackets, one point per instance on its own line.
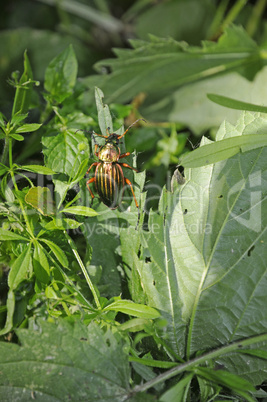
[109, 178]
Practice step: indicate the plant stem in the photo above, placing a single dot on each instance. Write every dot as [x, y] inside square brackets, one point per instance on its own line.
[189, 365]
[233, 13]
[87, 277]
[217, 20]
[5, 151]
[255, 17]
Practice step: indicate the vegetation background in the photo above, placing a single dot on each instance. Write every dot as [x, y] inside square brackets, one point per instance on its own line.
[98, 304]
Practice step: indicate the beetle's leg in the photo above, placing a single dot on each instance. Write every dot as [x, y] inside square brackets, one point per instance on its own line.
[128, 166]
[93, 164]
[91, 181]
[100, 135]
[129, 128]
[90, 191]
[96, 147]
[130, 185]
[123, 155]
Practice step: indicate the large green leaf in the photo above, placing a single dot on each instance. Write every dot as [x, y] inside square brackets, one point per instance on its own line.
[159, 65]
[60, 75]
[190, 105]
[203, 263]
[64, 362]
[62, 151]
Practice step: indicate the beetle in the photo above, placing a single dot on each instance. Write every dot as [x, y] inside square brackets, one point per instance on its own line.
[108, 177]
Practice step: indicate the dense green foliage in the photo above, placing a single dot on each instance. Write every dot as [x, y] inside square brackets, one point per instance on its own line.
[166, 302]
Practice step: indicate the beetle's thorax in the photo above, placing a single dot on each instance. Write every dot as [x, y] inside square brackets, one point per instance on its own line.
[109, 153]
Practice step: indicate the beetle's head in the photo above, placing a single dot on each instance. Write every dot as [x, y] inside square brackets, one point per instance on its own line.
[112, 139]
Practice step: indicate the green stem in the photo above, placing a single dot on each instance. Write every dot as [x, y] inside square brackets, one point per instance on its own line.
[217, 20]
[233, 347]
[67, 279]
[87, 277]
[5, 151]
[255, 17]
[16, 188]
[64, 304]
[233, 13]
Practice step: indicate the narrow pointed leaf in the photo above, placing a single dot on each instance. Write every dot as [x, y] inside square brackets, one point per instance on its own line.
[28, 128]
[20, 269]
[38, 169]
[8, 235]
[40, 264]
[10, 304]
[80, 210]
[134, 309]
[57, 251]
[236, 104]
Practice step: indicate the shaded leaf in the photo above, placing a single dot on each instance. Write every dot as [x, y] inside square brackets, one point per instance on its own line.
[65, 361]
[60, 75]
[178, 392]
[10, 305]
[40, 198]
[40, 264]
[176, 63]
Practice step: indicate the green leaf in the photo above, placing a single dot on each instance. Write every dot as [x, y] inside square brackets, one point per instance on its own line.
[58, 252]
[38, 169]
[226, 379]
[236, 104]
[24, 88]
[262, 354]
[17, 137]
[134, 309]
[201, 262]
[20, 269]
[176, 63]
[62, 151]
[59, 362]
[104, 116]
[28, 128]
[10, 304]
[2, 121]
[60, 75]
[190, 106]
[222, 149]
[80, 210]
[40, 264]
[3, 169]
[40, 198]
[18, 118]
[8, 235]
[179, 392]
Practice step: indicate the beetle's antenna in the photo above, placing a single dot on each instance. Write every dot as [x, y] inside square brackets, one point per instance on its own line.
[130, 127]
